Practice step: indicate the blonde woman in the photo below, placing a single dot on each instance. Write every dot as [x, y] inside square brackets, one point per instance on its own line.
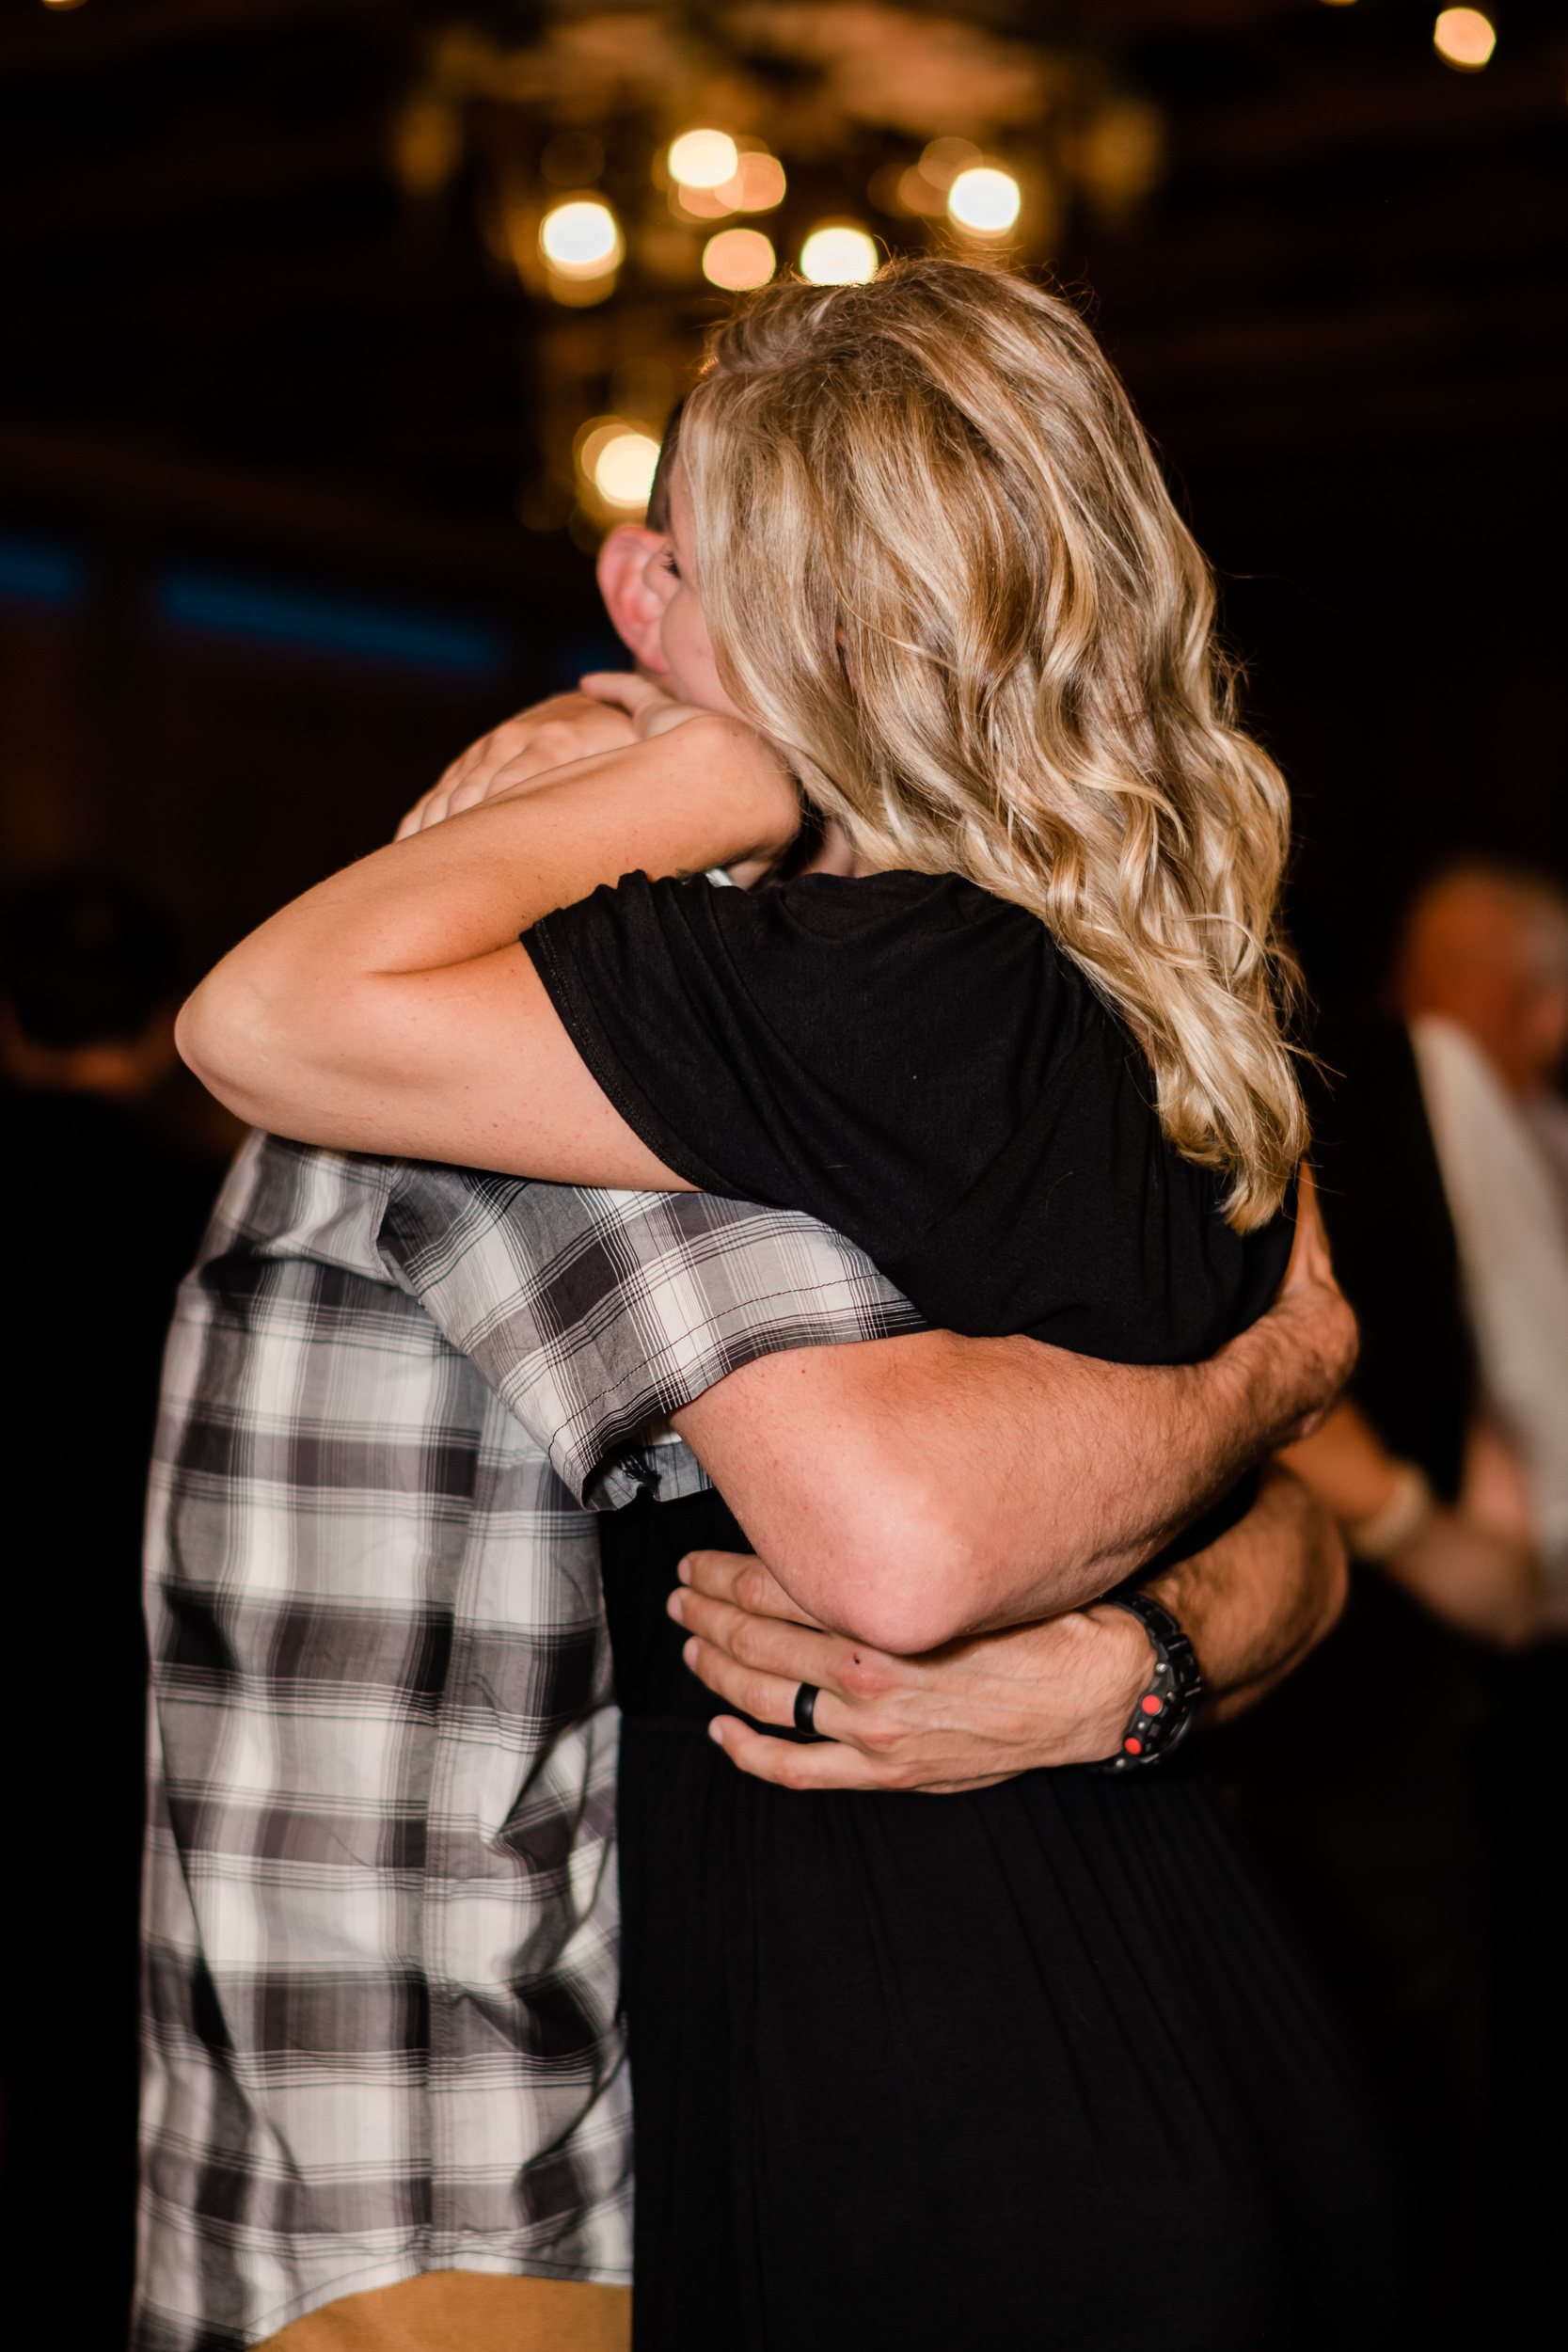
[1028, 2064]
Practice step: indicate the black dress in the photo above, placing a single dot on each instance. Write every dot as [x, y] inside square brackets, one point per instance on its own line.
[1032, 2066]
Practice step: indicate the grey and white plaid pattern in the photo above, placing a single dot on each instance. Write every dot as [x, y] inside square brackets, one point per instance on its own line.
[381, 1981]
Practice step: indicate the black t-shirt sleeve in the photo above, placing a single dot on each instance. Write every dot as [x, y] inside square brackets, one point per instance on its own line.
[912, 1062]
[833, 1046]
[629, 991]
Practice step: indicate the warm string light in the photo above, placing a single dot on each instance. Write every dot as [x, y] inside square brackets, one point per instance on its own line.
[738, 259]
[624, 471]
[984, 199]
[981, 196]
[1464, 38]
[758, 186]
[703, 159]
[837, 253]
[582, 249]
[615, 463]
[710, 175]
[748, 181]
[582, 238]
[923, 187]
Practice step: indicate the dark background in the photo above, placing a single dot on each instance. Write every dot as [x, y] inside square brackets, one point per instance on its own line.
[231, 341]
[237, 347]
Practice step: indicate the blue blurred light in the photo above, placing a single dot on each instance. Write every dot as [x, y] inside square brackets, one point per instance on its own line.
[41, 571]
[304, 620]
[596, 649]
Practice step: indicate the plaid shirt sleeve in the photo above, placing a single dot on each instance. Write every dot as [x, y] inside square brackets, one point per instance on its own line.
[592, 1315]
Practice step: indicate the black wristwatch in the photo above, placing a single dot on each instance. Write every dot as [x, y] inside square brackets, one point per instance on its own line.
[1167, 1706]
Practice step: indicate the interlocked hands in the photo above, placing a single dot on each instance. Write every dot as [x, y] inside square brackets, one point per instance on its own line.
[962, 1717]
[612, 710]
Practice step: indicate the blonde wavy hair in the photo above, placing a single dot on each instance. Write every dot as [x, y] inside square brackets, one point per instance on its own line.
[940, 565]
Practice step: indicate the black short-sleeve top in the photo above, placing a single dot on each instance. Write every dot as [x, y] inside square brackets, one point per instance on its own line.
[917, 1064]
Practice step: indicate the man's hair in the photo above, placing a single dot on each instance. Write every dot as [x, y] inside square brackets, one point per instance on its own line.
[987, 641]
[85, 961]
[1540, 903]
[658, 495]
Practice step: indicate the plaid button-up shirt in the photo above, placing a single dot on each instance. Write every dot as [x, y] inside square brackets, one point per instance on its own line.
[381, 1982]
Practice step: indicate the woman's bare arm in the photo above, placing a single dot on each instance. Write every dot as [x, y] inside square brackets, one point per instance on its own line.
[391, 1009]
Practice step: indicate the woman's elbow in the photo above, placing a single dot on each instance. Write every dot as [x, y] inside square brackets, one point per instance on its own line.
[234, 1041]
[213, 1039]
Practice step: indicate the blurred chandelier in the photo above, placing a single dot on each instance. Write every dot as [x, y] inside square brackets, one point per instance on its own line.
[626, 164]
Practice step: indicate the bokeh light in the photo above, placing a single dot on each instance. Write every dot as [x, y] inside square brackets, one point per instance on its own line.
[737, 257]
[624, 471]
[582, 238]
[943, 159]
[427, 142]
[757, 185]
[703, 159]
[919, 195]
[839, 254]
[614, 461]
[1464, 38]
[984, 199]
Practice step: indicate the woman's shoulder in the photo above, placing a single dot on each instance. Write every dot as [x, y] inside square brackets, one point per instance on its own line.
[848, 905]
[905, 923]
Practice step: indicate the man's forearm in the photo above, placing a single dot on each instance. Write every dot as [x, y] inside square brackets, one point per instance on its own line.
[1255, 1602]
[911, 1491]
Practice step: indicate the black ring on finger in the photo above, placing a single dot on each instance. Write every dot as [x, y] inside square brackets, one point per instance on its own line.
[805, 1707]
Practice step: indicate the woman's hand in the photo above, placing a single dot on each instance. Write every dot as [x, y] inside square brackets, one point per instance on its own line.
[651, 708]
[393, 1009]
[534, 744]
[962, 1717]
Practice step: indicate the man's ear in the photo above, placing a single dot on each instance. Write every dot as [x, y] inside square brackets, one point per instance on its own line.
[632, 605]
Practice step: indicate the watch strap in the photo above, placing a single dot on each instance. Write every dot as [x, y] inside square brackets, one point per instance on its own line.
[1166, 1708]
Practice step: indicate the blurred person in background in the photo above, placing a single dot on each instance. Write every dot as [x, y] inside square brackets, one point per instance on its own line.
[1482, 980]
[104, 1212]
[1445, 1189]
[1482, 983]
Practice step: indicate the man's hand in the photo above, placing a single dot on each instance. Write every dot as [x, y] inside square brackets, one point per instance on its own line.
[1048, 1695]
[1311, 1315]
[550, 736]
[962, 1717]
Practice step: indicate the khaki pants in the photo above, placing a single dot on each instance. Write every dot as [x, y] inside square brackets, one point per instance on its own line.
[467, 2310]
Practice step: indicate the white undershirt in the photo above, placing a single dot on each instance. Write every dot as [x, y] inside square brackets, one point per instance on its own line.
[1510, 1220]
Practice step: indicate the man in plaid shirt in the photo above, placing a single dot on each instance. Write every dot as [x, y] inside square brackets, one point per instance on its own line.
[383, 2070]
[381, 1928]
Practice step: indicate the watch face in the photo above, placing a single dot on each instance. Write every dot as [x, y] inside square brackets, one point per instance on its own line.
[1166, 1706]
